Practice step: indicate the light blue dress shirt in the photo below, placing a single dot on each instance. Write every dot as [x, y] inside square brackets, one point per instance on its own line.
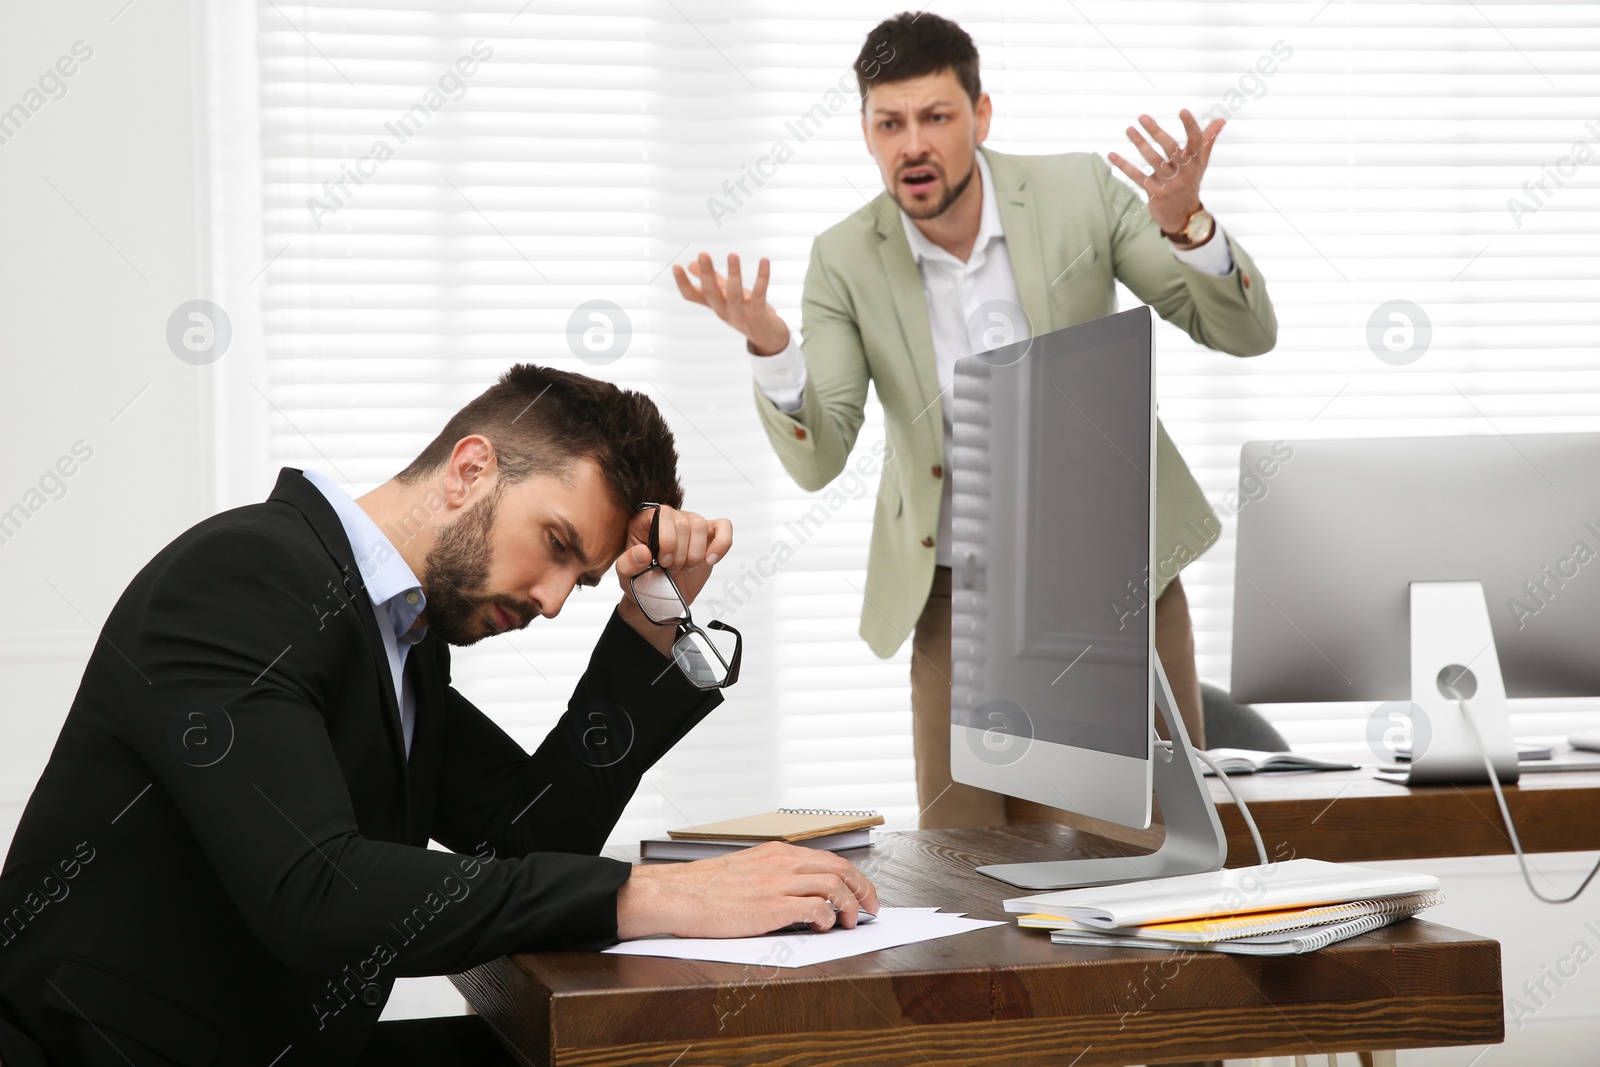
[397, 596]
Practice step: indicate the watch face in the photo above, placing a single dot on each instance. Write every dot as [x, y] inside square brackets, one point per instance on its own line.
[1200, 226]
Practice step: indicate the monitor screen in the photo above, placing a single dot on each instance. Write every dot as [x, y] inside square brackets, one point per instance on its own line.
[1053, 509]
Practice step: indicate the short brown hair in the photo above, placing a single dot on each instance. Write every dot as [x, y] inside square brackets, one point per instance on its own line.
[913, 44]
[541, 421]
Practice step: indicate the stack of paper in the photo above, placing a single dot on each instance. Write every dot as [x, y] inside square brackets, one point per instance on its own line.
[893, 927]
[1280, 909]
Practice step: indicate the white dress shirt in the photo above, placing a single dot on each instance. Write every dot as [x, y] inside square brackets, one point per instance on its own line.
[955, 292]
[396, 595]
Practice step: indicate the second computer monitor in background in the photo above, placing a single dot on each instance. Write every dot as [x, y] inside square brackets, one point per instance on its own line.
[1327, 555]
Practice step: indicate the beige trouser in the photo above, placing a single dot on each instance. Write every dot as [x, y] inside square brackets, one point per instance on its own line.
[947, 805]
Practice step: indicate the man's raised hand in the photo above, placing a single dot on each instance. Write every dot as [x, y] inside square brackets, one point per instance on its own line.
[746, 310]
[1173, 187]
[689, 545]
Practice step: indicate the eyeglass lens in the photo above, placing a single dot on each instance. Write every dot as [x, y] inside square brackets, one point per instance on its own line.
[705, 655]
[658, 598]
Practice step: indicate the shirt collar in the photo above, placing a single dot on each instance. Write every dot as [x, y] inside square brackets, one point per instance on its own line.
[388, 580]
[989, 225]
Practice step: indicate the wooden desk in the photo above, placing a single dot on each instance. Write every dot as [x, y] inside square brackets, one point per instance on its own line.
[997, 996]
[1351, 816]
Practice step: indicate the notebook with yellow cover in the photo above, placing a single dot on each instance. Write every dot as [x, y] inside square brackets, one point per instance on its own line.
[785, 824]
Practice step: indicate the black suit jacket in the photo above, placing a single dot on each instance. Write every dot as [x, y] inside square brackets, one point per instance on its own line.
[225, 860]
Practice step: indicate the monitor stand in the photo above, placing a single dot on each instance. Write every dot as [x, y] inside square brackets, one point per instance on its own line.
[1194, 843]
[1452, 650]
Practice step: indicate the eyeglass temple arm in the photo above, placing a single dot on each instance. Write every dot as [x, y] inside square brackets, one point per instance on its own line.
[738, 648]
[655, 529]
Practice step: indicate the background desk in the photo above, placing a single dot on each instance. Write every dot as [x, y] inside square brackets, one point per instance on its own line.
[1351, 816]
[996, 996]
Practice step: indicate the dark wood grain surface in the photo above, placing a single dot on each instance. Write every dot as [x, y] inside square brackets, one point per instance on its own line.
[996, 996]
[1351, 816]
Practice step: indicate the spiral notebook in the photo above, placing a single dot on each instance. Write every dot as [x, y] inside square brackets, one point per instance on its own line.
[1255, 924]
[785, 824]
[1281, 943]
[1296, 883]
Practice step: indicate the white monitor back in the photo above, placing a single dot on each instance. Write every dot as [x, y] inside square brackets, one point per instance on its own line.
[1330, 542]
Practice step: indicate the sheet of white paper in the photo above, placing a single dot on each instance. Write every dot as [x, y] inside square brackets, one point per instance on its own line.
[893, 927]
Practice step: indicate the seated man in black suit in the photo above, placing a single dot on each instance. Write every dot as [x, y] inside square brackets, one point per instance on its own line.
[226, 861]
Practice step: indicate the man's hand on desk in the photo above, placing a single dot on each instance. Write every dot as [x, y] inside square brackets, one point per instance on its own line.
[749, 892]
[746, 310]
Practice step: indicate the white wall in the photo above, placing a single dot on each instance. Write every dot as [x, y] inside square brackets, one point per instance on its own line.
[100, 230]
[84, 302]
[1547, 957]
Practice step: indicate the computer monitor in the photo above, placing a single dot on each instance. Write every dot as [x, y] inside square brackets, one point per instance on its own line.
[1338, 541]
[1054, 675]
[1053, 515]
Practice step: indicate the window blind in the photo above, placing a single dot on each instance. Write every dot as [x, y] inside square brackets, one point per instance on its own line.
[569, 167]
[1436, 154]
[1373, 154]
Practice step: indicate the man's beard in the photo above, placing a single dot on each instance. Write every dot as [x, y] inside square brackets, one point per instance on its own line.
[951, 195]
[455, 572]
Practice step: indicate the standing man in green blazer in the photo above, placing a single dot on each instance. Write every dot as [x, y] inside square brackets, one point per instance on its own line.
[968, 249]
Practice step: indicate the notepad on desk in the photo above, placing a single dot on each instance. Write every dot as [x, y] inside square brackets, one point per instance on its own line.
[1251, 761]
[825, 828]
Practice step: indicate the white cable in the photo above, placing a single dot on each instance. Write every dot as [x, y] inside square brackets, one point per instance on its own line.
[1505, 813]
[1244, 809]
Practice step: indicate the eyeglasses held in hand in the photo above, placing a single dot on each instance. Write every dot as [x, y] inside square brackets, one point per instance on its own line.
[709, 658]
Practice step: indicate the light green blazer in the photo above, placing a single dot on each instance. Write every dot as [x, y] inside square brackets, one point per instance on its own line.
[1072, 229]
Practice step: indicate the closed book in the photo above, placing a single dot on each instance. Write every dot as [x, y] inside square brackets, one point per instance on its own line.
[1296, 883]
[1204, 931]
[786, 824]
[670, 848]
[1282, 943]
